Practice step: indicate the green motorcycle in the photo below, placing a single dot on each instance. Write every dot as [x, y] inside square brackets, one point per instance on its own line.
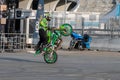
[49, 50]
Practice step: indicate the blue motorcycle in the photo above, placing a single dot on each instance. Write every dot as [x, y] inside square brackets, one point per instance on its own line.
[80, 42]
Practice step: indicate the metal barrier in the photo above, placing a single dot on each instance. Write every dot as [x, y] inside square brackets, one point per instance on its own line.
[12, 42]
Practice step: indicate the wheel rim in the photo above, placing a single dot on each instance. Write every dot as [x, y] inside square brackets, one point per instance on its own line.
[49, 59]
[68, 29]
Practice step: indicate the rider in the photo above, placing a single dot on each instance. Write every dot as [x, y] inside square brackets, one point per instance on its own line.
[44, 33]
[43, 26]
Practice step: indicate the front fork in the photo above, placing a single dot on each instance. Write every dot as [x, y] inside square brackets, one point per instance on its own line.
[51, 53]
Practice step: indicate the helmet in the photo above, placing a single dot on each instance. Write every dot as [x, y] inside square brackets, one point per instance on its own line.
[47, 16]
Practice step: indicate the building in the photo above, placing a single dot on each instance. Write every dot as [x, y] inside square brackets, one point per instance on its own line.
[74, 12]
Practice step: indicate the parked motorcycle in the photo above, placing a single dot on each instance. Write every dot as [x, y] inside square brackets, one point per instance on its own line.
[49, 50]
[80, 42]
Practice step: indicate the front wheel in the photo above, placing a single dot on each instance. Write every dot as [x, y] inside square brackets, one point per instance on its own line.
[50, 59]
[66, 29]
[71, 45]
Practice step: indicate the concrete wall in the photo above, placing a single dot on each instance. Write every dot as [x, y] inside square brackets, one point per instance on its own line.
[111, 44]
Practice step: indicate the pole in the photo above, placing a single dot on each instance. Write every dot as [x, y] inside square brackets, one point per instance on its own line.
[40, 13]
[8, 26]
[14, 8]
[82, 26]
[40, 9]
[65, 9]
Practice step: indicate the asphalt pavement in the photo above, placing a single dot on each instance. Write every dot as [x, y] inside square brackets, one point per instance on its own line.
[71, 65]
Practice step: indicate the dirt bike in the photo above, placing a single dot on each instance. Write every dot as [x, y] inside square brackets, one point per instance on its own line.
[49, 50]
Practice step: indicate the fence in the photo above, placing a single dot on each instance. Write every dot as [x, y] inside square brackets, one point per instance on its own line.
[101, 39]
[12, 42]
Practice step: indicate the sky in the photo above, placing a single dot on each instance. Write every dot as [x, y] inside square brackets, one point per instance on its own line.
[114, 13]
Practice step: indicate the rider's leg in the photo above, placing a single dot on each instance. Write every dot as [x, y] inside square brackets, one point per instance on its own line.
[44, 40]
[41, 39]
[37, 47]
[44, 37]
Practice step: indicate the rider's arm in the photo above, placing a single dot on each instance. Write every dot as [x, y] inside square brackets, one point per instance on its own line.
[56, 28]
[53, 28]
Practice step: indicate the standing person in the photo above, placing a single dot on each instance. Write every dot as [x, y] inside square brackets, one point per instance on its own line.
[43, 27]
[3, 10]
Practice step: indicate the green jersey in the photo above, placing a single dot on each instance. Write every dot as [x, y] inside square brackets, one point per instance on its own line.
[43, 24]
